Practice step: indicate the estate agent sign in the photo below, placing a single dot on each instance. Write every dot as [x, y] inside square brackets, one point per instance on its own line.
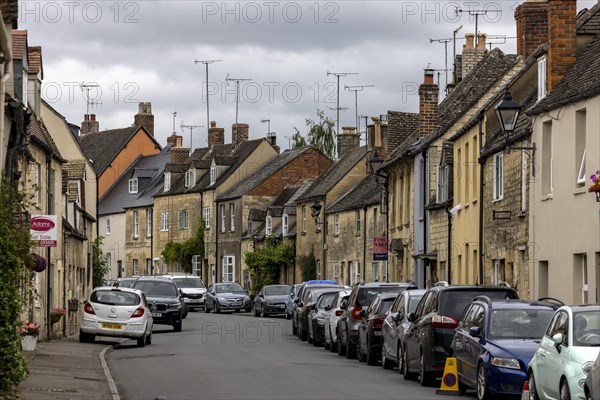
[44, 230]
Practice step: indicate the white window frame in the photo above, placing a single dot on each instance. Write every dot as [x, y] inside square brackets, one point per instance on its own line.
[284, 225]
[107, 227]
[441, 194]
[375, 271]
[356, 271]
[190, 178]
[149, 222]
[206, 216]
[38, 184]
[136, 267]
[584, 280]
[303, 219]
[269, 226]
[167, 182]
[498, 176]
[136, 224]
[581, 174]
[228, 270]
[196, 265]
[164, 221]
[542, 75]
[336, 223]
[182, 219]
[213, 174]
[250, 227]
[133, 185]
[232, 217]
[336, 270]
[222, 209]
[358, 223]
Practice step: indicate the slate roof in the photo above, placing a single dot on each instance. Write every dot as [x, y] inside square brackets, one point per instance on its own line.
[479, 81]
[102, 147]
[39, 134]
[579, 83]
[323, 184]
[290, 206]
[366, 193]
[257, 215]
[276, 208]
[588, 21]
[117, 198]
[400, 126]
[264, 173]
[402, 149]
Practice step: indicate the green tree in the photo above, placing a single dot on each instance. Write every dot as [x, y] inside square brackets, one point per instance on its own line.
[183, 252]
[265, 262]
[308, 266]
[99, 263]
[321, 133]
[15, 247]
[298, 140]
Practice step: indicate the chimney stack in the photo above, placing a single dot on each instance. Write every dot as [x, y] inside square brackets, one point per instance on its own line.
[89, 124]
[428, 104]
[532, 26]
[471, 55]
[215, 135]
[176, 141]
[179, 155]
[239, 134]
[562, 39]
[272, 138]
[144, 117]
[347, 140]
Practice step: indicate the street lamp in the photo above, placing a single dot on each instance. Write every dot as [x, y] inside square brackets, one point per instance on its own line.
[376, 161]
[507, 112]
[315, 211]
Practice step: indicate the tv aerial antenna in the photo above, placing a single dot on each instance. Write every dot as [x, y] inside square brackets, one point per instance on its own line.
[191, 128]
[237, 94]
[89, 102]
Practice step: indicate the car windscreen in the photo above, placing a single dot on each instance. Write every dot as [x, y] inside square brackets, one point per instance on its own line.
[453, 302]
[127, 282]
[194, 283]
[385, 306]
[230, 288]
[529, 323]
[326, 300]
[277, 290]
[586, 328]
[115, 298]
[156, 288]
[413, 302]
[310, 289]
[366, 294]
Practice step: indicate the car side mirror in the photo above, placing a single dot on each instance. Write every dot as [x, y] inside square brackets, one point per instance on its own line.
[557, 339]
[475, 331]
[181, 293]
[412, 317]
[343, 306]
[396, 317]
[327, 308]
[362, 313]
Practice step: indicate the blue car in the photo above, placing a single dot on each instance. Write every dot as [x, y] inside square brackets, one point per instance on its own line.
[289, 302]
[495, 341]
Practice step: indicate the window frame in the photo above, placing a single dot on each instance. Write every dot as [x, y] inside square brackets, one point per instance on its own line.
[223, 217]
[136, 224]
[107, 227]
[231, 217]
[268, 225]
[149, 215]
[133, 185]
[185, 215]
[498, 176]
[206, 217]
[542, 77]
[164, 221]
[190, 178]
[167, 182]
[284, 224]
[357, 225]
[336, 223]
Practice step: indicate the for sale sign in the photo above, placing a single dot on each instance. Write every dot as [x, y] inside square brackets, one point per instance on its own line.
[44, 230]
[380, 248]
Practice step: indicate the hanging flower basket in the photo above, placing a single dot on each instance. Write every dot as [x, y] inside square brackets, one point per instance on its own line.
[595, 188]
[39, 263]
[56, 314]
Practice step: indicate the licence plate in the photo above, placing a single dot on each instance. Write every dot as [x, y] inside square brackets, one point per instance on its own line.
[377, 333]
[112, 326]
[156, 314]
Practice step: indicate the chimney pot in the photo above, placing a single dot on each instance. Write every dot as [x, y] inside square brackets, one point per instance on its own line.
[144, 117]
[213, 124]
[239, 133]
[215, 135]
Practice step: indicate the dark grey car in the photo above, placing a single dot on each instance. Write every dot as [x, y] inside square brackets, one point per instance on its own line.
[227, 297]
[271, 300]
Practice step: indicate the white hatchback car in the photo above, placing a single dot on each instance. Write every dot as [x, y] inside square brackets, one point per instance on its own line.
[117, 312]
[566, 354]
[331, 318]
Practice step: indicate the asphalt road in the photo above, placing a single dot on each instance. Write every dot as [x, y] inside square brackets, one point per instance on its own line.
[238, 356]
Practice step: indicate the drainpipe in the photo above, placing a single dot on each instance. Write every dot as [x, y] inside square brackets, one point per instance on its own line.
[48, 253]
[481, 177]
[364, 274]
[449, 261]
[152, 271]
[424, 155]
[217, 229]
[64, 257]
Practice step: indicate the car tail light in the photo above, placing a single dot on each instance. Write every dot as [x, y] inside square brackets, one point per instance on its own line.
[89, 309]
[377, 323]
[356, 313]
[138, 313]
[441, 321]
[339, 313]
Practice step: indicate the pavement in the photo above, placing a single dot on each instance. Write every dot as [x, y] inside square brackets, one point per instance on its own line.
[66, 369]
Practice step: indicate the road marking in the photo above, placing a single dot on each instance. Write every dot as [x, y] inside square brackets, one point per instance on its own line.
[111, 382]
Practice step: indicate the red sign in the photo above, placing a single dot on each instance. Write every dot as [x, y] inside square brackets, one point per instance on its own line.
[380, 248]
[43, 230]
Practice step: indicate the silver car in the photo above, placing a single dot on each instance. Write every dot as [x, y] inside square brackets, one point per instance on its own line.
[331, 319]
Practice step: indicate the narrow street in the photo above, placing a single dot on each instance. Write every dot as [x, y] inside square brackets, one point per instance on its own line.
[237, 356]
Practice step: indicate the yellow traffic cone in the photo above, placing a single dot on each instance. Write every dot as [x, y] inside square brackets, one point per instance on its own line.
[449, 379]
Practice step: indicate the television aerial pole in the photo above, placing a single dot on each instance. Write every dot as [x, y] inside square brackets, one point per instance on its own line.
[89, 103]
[206, 62]
[356, 89]
[237, 95]
[191, 128]
[338, 75]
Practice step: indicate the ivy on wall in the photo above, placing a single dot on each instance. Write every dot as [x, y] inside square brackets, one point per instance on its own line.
[265, 262]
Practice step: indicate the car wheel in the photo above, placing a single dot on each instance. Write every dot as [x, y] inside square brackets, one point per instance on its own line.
[206, 309]
[386, 363]
[339, 346]
[359, 354]
[149, 338]
[217, 308]
[256, 313]
[350, 350]
[532, 389]
[177, 326]
[405, 371]
[287, 316]
[424, 377]
[86, 337]
[141, 342]
[294, 329]
[371, 358]
[263, 313]
[247, 309]
[303, 335]
[565, 394]
[482, 385]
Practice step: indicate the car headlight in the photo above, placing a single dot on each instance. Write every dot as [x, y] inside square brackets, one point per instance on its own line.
[506, 362]
[581, 383]
[175, 306]
[587, 367]
[247, 299]
[320, 321]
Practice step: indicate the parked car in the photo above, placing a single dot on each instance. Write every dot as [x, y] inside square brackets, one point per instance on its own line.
[289, 302]
[395, 326]
[307, 303]
[429, 336]
[331, 318]
[193, 288]
[591, 386]
[117, 312]
[298, 301]
[316, 317]
[271, 300]
[566, 354]
[495, 341]
[361, 296]
[128, 281]
[166, 302]
[228, 296]
[368, 346]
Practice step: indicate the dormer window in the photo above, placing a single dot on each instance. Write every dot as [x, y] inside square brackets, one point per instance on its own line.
[190, 178]
[213, 174]
[269, 226]
[167, 183]
[133, 185]
[542, 73]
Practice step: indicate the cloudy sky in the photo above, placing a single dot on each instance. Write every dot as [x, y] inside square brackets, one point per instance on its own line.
[146, 51]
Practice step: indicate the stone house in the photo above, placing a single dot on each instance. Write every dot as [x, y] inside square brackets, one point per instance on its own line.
[566, 126]
[276, 180]
[8, 20]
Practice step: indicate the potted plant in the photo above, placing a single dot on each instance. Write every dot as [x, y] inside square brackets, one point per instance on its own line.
[56, 314]
[73, 304]
[29, 334]
[595, 188]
